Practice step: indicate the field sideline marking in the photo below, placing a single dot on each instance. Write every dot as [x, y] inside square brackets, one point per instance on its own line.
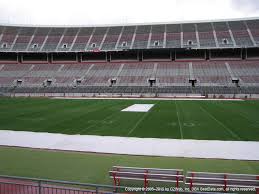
[179, 122]
[222, 124]
[139, 121]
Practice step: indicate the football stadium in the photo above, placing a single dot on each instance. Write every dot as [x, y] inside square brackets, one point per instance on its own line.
[167, 107]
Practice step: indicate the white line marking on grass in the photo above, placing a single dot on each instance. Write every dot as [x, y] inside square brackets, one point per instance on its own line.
[222, 124]
[243, 114]
[139, 121]
[179, 122]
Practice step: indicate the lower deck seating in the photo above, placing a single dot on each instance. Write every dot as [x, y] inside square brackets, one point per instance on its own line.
[172, 74]
[7, 81]
[247, 72]
[215, 75]
[135, 74]
[211, 74]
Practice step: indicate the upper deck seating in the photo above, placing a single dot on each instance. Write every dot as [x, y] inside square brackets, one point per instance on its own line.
[141, 38]
[126, 37]
[253, 26]
[227, 34]
[240, 33]
[111, 38]
[67, 40]
[82, 39]
[206, 36]
[157, 36]
[223, 34]
[97, 37]
[24, 38]
[8, 37]
[53, 39]
[173, 35]
[189, 35]
[39, 38]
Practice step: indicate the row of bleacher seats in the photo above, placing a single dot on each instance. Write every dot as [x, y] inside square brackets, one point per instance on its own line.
[161, 74]
[195, 35]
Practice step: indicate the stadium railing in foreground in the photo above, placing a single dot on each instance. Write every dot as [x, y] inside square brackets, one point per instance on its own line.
[23, 185]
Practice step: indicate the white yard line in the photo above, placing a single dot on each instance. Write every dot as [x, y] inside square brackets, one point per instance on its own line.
[179, 122]
[139, 121]
[222, 124]
[243, 114]
[239, 150]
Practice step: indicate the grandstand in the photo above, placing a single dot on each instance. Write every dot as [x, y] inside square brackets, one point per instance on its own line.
[218, 140]
[193, 58]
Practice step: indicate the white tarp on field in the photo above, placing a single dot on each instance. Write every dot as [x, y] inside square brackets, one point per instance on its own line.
[138, 108]
[240, 150]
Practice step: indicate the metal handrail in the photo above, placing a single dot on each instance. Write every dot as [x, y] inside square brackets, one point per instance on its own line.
[49, 183]
[97, 187]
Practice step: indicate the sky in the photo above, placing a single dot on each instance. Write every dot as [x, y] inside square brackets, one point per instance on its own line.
[105, 12]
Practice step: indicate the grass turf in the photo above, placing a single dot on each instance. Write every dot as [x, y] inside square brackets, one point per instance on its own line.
[93, 168]
[211, 120]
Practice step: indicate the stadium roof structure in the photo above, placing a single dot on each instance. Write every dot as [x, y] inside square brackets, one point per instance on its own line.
[235, 33]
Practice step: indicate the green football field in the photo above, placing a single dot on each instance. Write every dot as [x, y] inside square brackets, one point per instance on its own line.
[211, 120]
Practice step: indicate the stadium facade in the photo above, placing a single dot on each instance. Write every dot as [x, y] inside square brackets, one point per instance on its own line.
[210, 58]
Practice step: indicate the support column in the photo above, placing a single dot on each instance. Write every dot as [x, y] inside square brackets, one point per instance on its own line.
[21, 58]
